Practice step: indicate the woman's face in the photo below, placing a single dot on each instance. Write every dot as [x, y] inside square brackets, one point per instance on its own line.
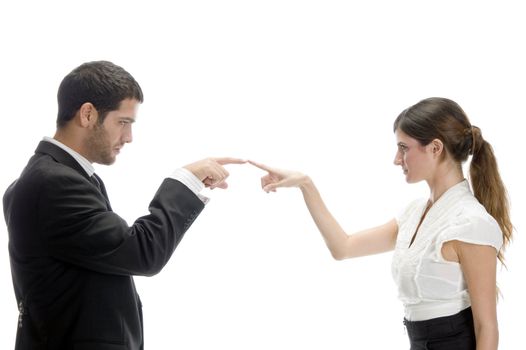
[417, 161]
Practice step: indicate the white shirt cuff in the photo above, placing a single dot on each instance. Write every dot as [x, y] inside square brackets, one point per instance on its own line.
[191, 181]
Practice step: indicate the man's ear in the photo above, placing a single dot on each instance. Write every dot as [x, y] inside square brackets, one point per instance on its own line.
[437, 147]
[88, 115]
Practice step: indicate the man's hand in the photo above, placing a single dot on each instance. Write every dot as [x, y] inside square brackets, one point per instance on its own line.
[211, 171]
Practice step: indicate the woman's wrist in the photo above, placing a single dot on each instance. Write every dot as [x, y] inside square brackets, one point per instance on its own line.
[305, 183]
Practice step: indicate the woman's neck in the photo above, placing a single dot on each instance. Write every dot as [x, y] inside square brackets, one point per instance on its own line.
[444, 178]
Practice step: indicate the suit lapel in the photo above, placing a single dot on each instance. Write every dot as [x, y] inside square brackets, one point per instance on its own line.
[102, 189]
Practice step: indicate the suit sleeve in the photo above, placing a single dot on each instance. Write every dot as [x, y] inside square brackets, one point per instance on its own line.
[79, 229]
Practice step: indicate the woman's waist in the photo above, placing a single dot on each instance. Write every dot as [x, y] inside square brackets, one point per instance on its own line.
[430, 309]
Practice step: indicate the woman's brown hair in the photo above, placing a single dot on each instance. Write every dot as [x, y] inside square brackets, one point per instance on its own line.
[443, 119]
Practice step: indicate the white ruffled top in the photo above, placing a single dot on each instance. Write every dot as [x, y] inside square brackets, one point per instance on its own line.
[428, 285]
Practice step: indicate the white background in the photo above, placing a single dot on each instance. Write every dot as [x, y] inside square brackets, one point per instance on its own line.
[307, 85]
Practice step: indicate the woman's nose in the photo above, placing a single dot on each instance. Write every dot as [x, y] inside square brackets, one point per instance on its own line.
[397, 159]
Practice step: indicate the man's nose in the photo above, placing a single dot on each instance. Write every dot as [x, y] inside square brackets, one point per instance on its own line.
[128, 135]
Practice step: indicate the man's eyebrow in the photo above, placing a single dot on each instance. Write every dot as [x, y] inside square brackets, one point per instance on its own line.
[128, 119]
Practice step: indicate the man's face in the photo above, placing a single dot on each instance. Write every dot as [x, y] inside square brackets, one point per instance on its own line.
[107, 139]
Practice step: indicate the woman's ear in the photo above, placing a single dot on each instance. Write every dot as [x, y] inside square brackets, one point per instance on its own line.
[437, 147]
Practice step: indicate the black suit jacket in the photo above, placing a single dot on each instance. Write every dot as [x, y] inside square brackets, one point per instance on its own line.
[72, 257]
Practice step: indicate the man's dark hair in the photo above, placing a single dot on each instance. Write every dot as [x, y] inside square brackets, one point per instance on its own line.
[101, 83]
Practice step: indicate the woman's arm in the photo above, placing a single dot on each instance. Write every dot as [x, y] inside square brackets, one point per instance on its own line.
[479, 265]
[342, 246]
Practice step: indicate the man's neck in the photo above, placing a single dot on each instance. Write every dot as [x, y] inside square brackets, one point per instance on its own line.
[83, 161]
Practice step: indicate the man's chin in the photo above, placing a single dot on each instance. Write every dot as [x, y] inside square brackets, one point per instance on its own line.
[107, 161]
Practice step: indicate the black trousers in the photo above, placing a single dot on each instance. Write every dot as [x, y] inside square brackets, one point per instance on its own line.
[455, 332]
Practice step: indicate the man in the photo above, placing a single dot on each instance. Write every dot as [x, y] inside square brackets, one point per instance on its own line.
[72, 257]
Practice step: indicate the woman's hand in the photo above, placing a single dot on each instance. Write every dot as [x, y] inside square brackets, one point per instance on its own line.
[342, 246]
[279, 178]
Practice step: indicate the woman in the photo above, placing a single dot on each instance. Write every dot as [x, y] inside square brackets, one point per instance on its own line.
[445, 247]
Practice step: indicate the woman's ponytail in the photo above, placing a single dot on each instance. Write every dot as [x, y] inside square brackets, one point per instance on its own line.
[487, 185]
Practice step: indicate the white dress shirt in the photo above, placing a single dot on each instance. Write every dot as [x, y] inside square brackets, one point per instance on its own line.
[182, 175]
[428, 285]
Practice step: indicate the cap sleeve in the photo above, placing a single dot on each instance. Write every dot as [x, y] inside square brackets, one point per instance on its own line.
[482, 230]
